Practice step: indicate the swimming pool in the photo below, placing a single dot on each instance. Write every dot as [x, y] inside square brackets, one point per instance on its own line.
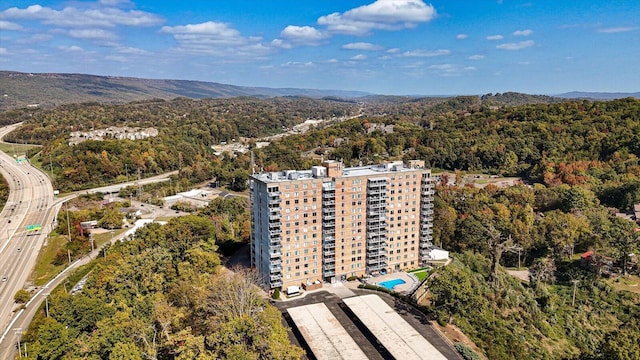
[390, 284]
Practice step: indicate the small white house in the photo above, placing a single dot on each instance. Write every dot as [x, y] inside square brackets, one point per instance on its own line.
[436, 253]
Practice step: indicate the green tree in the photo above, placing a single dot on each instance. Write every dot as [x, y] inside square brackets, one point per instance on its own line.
[623, 239]
[22, 296]
[451, 290]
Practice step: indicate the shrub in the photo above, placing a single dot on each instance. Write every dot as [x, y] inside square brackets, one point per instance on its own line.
[466, 352]
[276, 294]
[22, 296]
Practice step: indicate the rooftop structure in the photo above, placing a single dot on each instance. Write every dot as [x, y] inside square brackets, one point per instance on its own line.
[330, 222]
[391, 330]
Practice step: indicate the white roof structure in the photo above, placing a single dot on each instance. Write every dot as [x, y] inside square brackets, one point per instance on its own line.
[392, 331]
[324, 334]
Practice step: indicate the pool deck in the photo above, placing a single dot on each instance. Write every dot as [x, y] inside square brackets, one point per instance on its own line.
[410, 281]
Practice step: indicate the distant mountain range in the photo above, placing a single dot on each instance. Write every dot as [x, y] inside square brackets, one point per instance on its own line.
[597, 95]
[48, 89]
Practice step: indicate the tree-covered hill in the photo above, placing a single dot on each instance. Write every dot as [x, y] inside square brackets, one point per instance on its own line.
[48, 90]
[163, 296]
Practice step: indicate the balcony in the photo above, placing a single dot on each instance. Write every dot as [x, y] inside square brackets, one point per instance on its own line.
[424, 245]
[428, 238]
[275, 268]
[328, 238]
[328, 224]
[375, 249]
[329, 245]
[275, 284]
[330, 195]
[329, 232]
[275, 262]
[274, 216]
[427, 206]
[274, 201]
[378, 267]
[275, 254]
[275, 232]
[328, 253]
[329, 273]
[329, 266]
[428, 212]
[275, 277]
[375, 261]
[329, 203]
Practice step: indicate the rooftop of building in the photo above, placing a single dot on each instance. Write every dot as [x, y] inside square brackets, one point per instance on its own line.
[319, 172]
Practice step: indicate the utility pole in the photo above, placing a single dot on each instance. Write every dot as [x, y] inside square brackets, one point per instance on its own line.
[68, 224]
[19, 333]
[53, 177]
[573, 301]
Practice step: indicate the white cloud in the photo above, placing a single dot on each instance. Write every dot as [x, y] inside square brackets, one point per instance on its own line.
[132, 51]
[425, 53]
[516, 46]
[462, 36]
[7, 25]
[117, 58]
[297, 64]
[115, 2]
[332, 61]
[364, 46]
[3, 51]
[495, 37]
[476, 57]
[393, 51]
[279, 43]
[614, 30]
[449, 70]
[526, 32]
[307, 35]
[359, 57]
[75, 17]
[381, 14]
[72, 48]
[92, 34]
[35, 38]
[215, 38]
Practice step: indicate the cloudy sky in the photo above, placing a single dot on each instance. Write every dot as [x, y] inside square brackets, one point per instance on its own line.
[381, 46]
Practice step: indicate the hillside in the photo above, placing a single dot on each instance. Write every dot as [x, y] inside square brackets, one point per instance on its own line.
[49, 90]
[598, 95]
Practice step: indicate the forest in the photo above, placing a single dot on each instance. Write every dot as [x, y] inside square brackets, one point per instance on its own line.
[164, 295]
[579, 160]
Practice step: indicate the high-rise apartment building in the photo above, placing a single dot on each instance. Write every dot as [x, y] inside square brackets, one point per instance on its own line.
[330, 222]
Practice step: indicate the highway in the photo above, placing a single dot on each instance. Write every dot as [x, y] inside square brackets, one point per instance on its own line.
[30, 202]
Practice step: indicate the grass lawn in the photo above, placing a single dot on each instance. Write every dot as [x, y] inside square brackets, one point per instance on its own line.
[45, 270]
[419, 273]
[16, 149]
[629, 283]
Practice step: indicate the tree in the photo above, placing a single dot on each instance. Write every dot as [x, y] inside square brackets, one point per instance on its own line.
[623, 239]
[451, 290]
[623, 344]
[125, 351]
[22, 296]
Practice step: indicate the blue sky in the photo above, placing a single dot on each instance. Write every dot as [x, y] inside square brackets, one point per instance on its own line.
[381, 46]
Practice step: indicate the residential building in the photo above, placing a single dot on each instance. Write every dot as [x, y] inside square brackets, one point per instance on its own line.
[330, 223]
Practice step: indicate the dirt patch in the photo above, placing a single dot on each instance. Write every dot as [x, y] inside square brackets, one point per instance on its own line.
[520, 274]
[454, 334]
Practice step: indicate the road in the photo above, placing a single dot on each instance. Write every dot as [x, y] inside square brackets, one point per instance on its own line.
[30, 202]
